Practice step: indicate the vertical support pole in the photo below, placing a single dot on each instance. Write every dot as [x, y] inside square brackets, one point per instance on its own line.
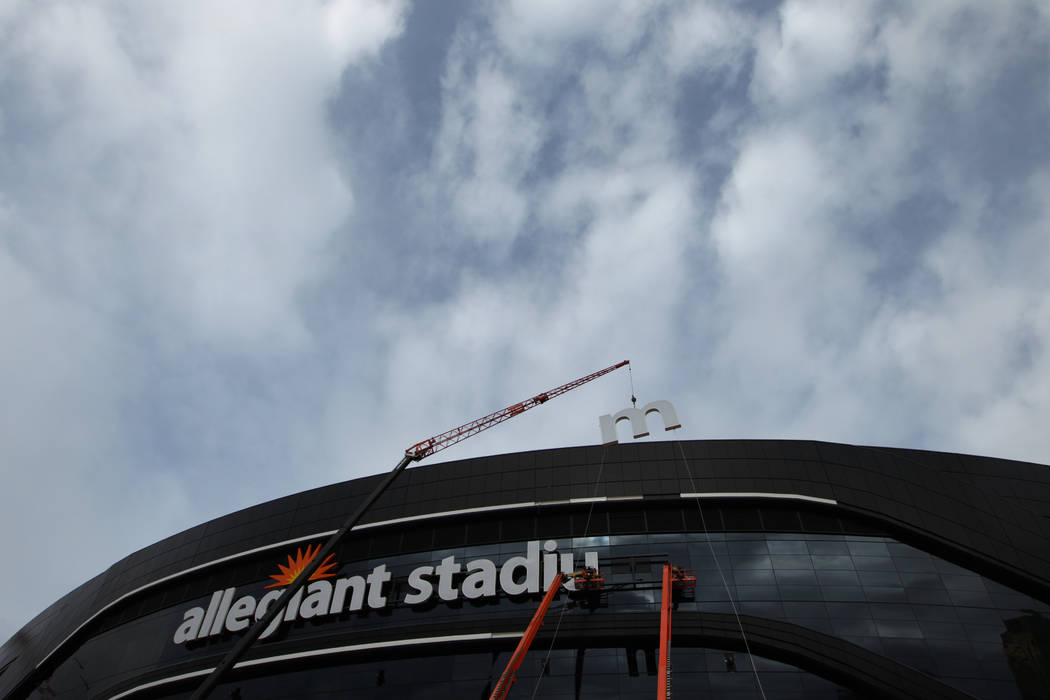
[663, 673]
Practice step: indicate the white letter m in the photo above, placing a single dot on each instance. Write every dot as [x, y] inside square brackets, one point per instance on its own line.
[639, 426]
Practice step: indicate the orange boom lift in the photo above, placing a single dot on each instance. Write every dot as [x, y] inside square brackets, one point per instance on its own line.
[510, 674]
[673, 578]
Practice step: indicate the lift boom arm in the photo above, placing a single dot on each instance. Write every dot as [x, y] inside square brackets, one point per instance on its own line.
[510, 674]
[451, 437]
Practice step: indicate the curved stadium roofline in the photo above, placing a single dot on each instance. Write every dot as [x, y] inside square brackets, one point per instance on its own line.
[988, 515]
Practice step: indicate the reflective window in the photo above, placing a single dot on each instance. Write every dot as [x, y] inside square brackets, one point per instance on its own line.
[882, 595]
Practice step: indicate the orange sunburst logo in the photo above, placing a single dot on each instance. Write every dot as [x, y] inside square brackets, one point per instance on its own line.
[295, 567]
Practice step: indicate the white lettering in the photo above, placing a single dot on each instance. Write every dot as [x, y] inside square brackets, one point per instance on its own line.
[357, 598]
[422, 589]
[448, 567]
[237, 619]
[191, 624]
[531, 563]
[213, 606]
[268, 599]
[224, 607]
[376, 579]
[480, 580]
[639, 425]
[318, 598]
[517, 576]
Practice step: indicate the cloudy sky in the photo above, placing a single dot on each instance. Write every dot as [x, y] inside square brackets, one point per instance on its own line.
[251, 248]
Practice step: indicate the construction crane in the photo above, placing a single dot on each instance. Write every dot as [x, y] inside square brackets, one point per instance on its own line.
[412, 454]
[451, 437]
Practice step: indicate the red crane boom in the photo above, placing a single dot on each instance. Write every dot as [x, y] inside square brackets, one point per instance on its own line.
[451, 437]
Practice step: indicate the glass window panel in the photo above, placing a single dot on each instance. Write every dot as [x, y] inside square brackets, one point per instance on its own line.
[747, 548]
[795, 546]
[791, 561]
[935, 613]
[661, 520]
[899, 549]
[848, 610]
[833, 562]
[857, 627]
[741, 519]
[756, 592]
[762, 608]
[753, 562]
[710, 593]
[873, 563]
[975, 598]
[943, 630]
[922, 580]
[781, 519]
[801, 593]
[802, 609]
[820, 624]
[837, 578]
[969, 582]
[979, 616]
[796, 577]
[827, 547]
[915, 565]
[880, 578]
[892, 612]
[843, 593]
[820, 522]
[629, 521]
[867, 549]
[885, 594]
[754, 577]
[912, 650]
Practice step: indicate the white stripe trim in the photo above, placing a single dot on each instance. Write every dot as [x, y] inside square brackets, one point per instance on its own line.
[162, 681]
[445, 514]
[445, 639]
[759, 494]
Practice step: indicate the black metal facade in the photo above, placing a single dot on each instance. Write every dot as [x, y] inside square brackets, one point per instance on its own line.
[975, 530]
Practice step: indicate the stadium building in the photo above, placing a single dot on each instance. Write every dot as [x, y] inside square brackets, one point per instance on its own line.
[822, 571]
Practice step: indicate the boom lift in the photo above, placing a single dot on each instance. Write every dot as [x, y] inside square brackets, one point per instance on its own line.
[510, 674]
[412, 454]
[673, 578]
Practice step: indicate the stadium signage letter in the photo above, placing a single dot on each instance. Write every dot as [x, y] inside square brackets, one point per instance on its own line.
[518, 575]
[639, 425]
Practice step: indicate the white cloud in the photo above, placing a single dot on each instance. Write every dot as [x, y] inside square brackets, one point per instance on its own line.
[787, 220]
[169, 185]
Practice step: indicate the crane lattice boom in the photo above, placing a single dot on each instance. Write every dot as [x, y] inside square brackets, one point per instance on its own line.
[451, 437]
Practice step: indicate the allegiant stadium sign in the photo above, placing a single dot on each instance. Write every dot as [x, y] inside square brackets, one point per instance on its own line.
[328, 595]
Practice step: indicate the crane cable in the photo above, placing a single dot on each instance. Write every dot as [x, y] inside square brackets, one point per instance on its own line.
[721, 573]
[586, 528]
[565, 604]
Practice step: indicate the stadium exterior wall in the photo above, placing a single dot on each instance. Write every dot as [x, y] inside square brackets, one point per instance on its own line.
[851, 572]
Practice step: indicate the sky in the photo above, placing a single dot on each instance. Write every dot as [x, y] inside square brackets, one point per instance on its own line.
[250, 248]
